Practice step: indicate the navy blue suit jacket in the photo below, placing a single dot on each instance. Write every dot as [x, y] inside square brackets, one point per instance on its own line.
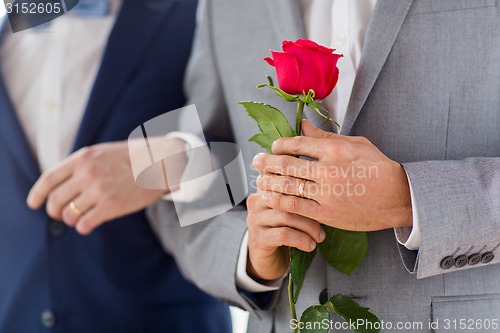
[118, 279]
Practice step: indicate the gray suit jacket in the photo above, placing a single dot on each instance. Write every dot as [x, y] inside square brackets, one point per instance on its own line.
[427, 93]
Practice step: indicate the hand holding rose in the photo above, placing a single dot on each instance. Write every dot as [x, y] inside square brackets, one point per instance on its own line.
[271, 233]
[351, 185]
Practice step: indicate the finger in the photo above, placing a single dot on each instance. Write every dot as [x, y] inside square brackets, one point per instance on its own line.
[276, 237]
[309, 130]
[288, 185]
[81, 205]
[93, 218]
[312, 131]
[60, 197]
[47, 182]
[291, 204]
[272, 218]
[254, 203]
[283, 165]
[299, 146]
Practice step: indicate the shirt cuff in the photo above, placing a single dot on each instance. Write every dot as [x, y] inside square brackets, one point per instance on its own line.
[244, 281]
[409, 237]
[188, 193]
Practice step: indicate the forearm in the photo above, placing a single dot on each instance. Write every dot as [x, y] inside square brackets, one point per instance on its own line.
[207, 253]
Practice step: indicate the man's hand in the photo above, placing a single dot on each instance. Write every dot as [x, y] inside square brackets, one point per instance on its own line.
[271, 233]
[99, 183]
[350, 184]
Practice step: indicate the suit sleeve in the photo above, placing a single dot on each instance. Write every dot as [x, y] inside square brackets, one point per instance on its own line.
[458, 205]
[207, 253]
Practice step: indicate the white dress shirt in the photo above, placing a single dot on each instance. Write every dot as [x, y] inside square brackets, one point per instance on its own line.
[342, 25]
[49, 72]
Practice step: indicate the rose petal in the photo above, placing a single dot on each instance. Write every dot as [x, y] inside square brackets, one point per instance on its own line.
[269, 61]
[310, 68]
[330, 74]
[333, 83]
[287, 70]
[313, 45]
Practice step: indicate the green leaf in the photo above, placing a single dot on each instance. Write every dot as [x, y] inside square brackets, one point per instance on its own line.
[271, 121]
[299, 263]
[312, 319]
[286, 96]
[270, 80]
[263, 140]
[320, 110]
[343, 249]
[364, 320]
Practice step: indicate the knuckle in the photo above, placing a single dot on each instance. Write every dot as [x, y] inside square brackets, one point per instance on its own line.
[85, 153]
[327, 135]
[363, 140]
[304, 242]
[286, 217]
[287, 185]
[339, 149]
[317, 228]
[53, 200]
[91, 171]
[284, 163]
[48, 177]
[283, 235]
[252, 201]
[250, 220]
[254, 238]
[112, 198]
[290, 204]
[296, 144]
[52, 211]
[100, 188]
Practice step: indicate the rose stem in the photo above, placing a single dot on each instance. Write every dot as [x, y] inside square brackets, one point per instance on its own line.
[298, 119]
[290, 300]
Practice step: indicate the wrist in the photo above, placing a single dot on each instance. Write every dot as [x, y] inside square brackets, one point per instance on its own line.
[404, 217]
[265, 275]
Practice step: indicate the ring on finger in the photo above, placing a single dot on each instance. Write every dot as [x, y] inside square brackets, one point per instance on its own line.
[75, 209]
[301, 188]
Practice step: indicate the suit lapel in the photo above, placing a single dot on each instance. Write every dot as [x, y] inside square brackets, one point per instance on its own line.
[127, 43]
[384, 27]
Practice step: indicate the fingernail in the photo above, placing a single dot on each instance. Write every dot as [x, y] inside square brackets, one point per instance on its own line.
[275, 144]
[265, 196]
[256, 159]
[322, 235]
[313, 245]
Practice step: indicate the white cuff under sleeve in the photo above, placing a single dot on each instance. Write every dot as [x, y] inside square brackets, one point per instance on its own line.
[409, 237]
[246, 282]
[183, 193]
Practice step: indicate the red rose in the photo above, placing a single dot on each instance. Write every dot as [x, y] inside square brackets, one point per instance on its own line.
[305, 65]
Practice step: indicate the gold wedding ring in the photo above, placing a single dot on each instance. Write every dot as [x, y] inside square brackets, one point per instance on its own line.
[301, 187]
[75, 209]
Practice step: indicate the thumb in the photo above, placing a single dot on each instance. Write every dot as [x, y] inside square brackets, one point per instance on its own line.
[312, 131]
